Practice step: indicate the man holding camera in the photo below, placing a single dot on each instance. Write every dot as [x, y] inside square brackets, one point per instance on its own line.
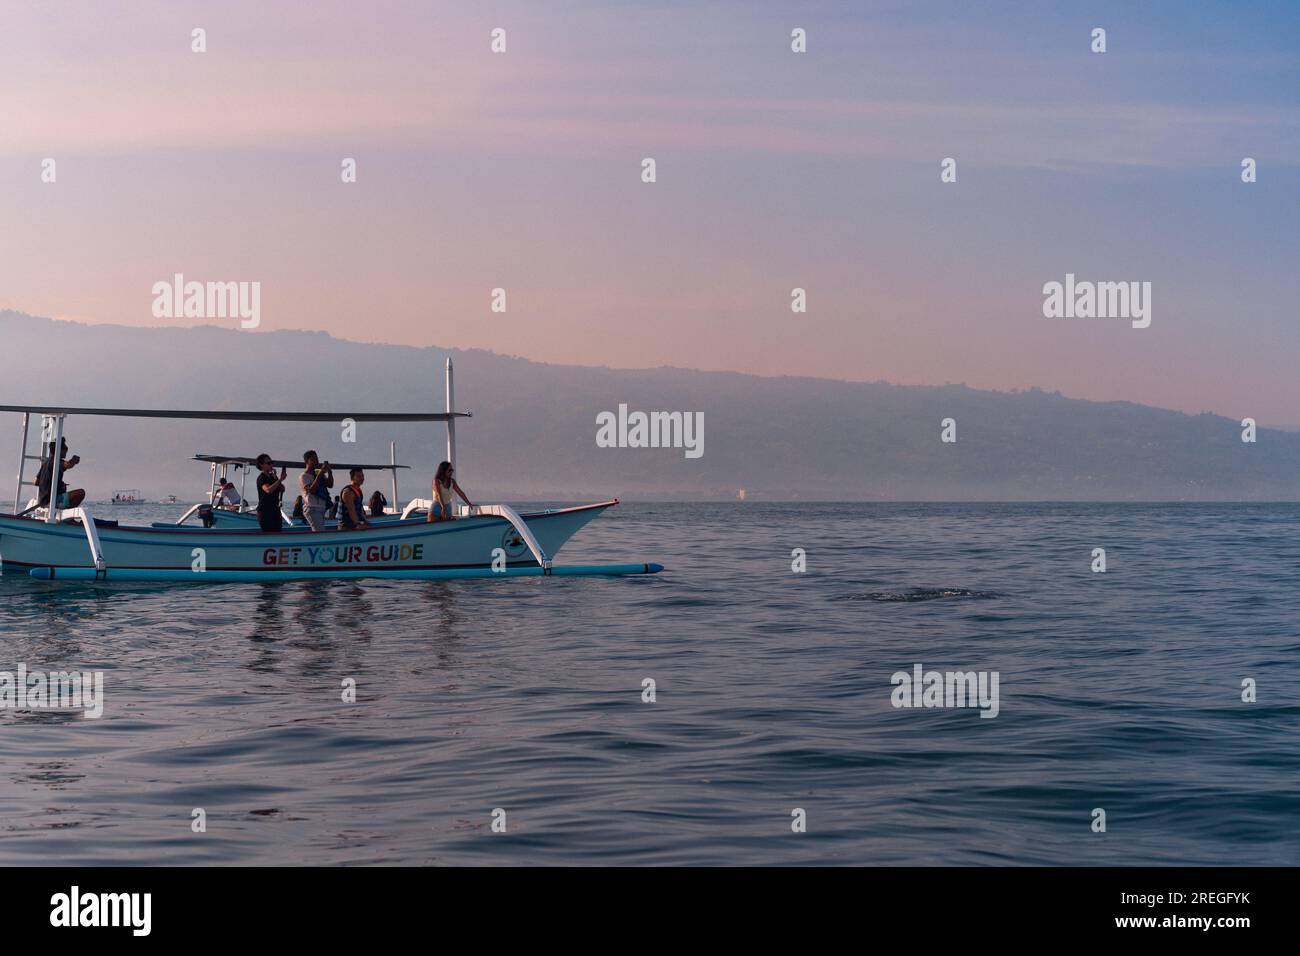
[315, 482]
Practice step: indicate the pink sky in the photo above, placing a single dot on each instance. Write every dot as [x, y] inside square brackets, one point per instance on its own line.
[776, 170]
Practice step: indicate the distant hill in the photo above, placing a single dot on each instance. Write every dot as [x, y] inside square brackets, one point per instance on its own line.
[534, 426]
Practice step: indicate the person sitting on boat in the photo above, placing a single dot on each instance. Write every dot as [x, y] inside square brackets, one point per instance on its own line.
[45, 476]
[352, 510]
[270, 490]
[315, 481]
[378, 503]
[228, 497]
[445, 490]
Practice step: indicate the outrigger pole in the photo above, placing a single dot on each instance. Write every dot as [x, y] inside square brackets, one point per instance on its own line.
[300, 574]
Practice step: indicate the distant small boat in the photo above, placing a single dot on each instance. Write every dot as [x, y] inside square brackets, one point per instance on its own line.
[169, 500]
[128, 496]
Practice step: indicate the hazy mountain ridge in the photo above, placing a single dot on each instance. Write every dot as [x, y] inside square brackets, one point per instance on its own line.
[534, 426]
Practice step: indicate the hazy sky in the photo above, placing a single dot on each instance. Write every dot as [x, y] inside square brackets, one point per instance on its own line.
[775, 170]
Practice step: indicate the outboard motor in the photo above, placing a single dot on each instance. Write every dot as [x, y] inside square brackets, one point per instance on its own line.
[205, 515]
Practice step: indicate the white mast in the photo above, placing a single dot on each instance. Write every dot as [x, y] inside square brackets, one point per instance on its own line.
[56, 469]
[392, 460]
[451, 422]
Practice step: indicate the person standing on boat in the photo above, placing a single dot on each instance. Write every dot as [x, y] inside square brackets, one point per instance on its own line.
[445, 490]
[315, 481]
[377, 504]
[45, 477]
[352, 509]
[270, 489]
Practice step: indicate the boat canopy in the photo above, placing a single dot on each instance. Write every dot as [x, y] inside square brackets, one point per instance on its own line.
[285, 463]
[56, 414]
[234, 416]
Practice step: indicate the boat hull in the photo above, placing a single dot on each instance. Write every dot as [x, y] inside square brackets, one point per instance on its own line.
[400, 546]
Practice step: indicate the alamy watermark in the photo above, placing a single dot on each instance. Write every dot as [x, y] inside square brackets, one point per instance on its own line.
[651, 430]
[75, 908]
[923, 688]
[53, 690]
[179, 299]
[1098, 300]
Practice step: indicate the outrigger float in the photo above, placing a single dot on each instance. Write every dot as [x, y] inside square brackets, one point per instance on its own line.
[485, 541]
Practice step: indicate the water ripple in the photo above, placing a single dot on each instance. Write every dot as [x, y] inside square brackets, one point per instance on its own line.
[771, 691]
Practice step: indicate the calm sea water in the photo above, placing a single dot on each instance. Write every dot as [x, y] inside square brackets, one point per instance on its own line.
[1119, 691]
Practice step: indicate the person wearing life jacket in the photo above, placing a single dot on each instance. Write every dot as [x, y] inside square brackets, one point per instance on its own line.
[352, 510]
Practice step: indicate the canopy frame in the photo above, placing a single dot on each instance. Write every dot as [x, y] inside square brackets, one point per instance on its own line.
[250, 460]
[54, 416]
[236, 416]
